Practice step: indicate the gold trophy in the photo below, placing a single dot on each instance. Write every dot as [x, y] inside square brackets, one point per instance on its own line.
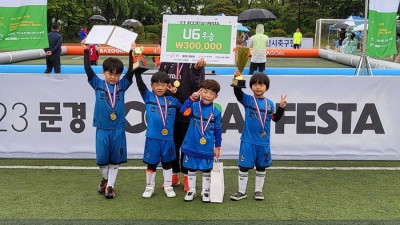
[138, 65]
[242, 55]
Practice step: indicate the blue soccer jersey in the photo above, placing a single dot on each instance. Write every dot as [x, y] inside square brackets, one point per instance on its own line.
[192, 144]
[253, 131]
[155, 126]
[103, 111]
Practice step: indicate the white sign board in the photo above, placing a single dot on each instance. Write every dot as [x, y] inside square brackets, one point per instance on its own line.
[326, 118]
[111, 35]
[187, 38]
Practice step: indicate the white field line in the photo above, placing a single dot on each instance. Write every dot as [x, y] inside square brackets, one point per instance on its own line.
[225, 167]
[79, 57]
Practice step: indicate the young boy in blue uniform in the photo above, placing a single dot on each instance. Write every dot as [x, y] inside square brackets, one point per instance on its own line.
[203, 139]
[255, 140]
[160, 117]
[109, 117]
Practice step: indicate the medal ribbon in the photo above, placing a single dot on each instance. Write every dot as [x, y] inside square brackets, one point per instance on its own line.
[113, 99]
[203, 128]
[179, 68]
[259, 114]
[163, 116]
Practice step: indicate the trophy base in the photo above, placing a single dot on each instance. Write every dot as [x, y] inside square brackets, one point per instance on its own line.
[238, 83]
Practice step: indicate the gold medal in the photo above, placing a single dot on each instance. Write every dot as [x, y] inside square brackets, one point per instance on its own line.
[177, 83]
[203, 141]
[164, 132]
[263, 134]
[113, 116]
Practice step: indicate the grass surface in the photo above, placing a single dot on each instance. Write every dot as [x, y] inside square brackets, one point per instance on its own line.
[32, 196]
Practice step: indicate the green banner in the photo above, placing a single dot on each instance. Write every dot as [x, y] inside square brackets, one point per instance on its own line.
[381, 40]
[199, 38]
[23, 27]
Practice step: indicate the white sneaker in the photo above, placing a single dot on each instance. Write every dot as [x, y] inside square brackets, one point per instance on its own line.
[148, 192]
[206, 197]
[190, 195]
[169, 191]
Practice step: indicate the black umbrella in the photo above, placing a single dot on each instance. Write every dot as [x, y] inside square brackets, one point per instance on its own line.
[256, 15]
[340, 25]
[398, 29]
[98, 18]
[131, 23]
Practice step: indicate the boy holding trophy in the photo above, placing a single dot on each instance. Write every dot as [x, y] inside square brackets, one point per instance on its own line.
[255, 140]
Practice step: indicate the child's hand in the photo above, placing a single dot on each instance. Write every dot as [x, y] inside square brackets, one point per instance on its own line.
[200, 63]
[172, 89]
[196, 95]
[133, 45]
[282, 104]
[217, 152]
[83, 43]
[237, 73]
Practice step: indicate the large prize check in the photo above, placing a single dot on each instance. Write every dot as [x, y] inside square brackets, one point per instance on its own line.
[186, 38]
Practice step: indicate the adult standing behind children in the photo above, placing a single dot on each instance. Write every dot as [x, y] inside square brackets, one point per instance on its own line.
[259, 44]
[186, 79]
[160, 116]
[53, 52]
[255, 140]
[109, 117]
[297, 37]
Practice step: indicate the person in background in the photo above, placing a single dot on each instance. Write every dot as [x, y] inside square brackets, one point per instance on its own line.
[297, 37]
[245, 38]
[53, 52]
[82, 33]
[259, 44]
[397, 57]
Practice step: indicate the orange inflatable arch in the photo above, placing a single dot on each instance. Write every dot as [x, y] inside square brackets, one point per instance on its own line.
[155, 51]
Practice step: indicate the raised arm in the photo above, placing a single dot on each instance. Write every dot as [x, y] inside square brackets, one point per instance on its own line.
[198, 74]
[238, 91]
[141, 85]
[129, 73]
[279, 112]
[86, 62]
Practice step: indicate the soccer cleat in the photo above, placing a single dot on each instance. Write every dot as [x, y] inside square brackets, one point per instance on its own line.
[169, 191]
[206, 197]
[258, 195]
[109, 193]
[185, 183]
[175, 180]
[238, 196]
[148, 192]
[102, 186]
[190, 196]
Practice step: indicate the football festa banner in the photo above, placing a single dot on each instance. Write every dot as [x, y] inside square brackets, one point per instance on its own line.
[326, 117]
[23, 24]
[190, 37]
[381, 40]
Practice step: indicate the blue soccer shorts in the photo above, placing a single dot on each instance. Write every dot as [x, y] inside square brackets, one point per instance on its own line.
[251, 154]
[156, 150]
[194, 163]
[110, 146]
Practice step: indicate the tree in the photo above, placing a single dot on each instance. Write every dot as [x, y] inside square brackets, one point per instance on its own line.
[71, 14]
[215, 7]
[115, 11]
